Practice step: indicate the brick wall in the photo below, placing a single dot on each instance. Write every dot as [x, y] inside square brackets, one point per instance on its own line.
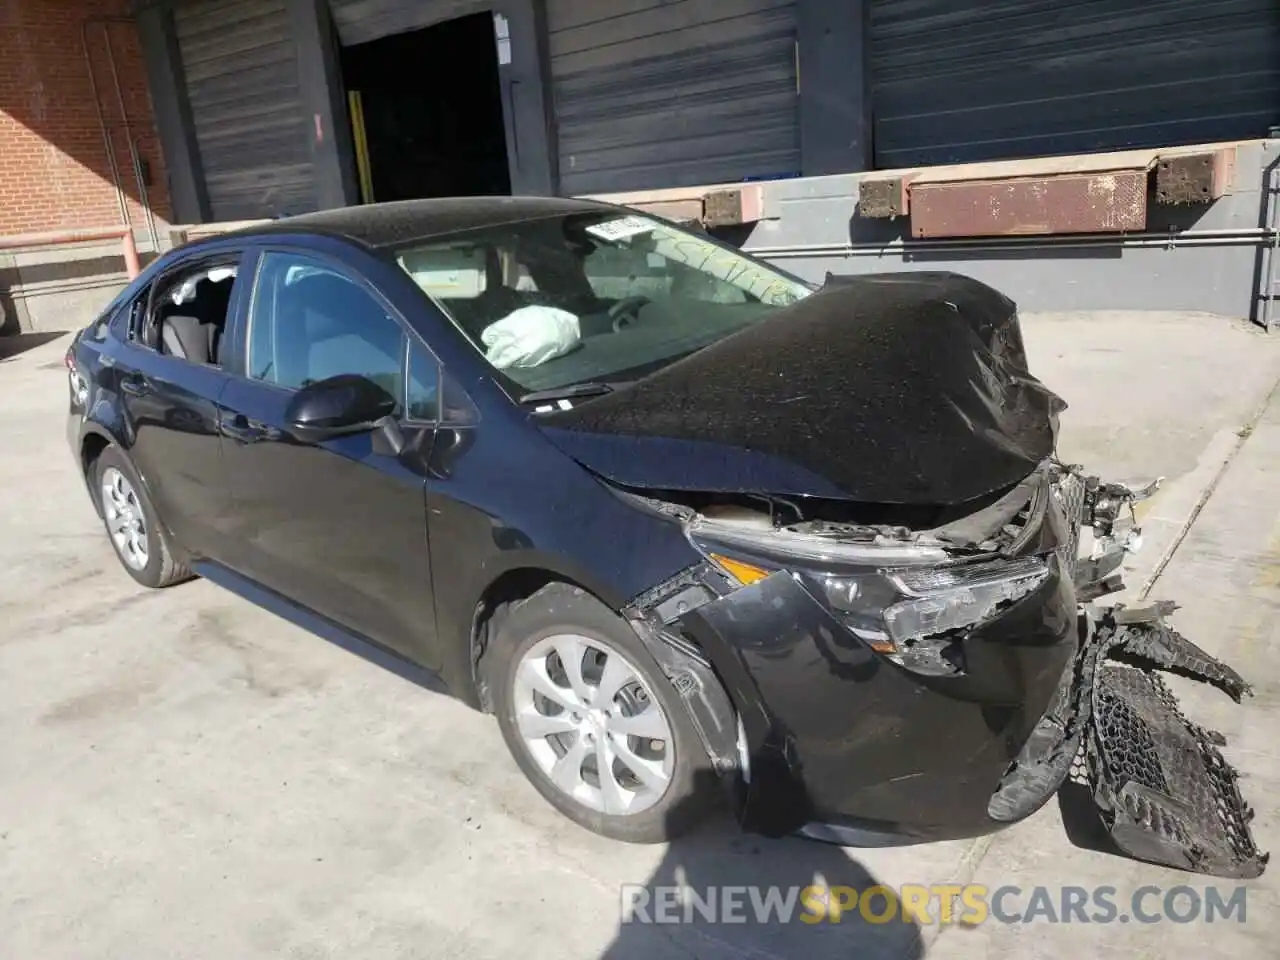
[54, 172]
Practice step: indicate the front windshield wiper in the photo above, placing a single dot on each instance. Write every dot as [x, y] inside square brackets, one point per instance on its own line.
[570, 392]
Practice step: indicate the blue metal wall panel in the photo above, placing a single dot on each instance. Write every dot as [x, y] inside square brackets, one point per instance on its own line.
[955, 82]
[670, 93]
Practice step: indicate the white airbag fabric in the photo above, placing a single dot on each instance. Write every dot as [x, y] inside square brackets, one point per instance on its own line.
[530, 336]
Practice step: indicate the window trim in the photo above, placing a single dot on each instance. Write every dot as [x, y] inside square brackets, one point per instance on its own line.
[408, 363]
[343, 269]
[132, 314]
[134, 311]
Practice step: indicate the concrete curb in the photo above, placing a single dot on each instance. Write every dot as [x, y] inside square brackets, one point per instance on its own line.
[1171, 515]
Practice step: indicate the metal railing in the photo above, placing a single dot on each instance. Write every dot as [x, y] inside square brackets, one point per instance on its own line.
[1271, 275]
[128, 247]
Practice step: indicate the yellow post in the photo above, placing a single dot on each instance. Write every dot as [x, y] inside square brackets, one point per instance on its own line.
[356, 106]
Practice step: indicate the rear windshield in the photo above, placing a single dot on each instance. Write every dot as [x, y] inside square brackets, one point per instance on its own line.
[599, 297]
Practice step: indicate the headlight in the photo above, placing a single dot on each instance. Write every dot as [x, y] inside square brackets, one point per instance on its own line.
[949, 599]
[788, 547]
[896, 597]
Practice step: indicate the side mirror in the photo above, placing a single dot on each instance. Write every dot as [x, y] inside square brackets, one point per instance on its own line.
[338, 406]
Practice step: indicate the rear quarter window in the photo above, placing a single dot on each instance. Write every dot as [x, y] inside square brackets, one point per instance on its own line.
[110, 321]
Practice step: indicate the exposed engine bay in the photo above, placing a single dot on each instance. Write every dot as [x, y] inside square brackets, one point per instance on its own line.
[1160, 785]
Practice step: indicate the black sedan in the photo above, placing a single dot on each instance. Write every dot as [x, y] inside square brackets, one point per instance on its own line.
[674, 516]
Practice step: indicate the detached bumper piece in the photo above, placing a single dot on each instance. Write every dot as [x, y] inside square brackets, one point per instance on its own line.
[1161, 786]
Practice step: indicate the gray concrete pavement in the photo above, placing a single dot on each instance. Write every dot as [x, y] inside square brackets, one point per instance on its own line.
[182, 774]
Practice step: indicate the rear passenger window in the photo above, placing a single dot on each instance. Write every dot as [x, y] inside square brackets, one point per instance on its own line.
[96, 332]
[114, 314]
[309, 322]
[188, 311]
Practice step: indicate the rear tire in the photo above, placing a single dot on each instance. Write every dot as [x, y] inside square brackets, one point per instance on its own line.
[141, 543]
[617, 711]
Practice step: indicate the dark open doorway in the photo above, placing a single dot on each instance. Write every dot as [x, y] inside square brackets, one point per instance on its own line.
[431, 106]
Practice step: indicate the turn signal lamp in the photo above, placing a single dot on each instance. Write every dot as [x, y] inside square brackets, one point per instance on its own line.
[744, 573]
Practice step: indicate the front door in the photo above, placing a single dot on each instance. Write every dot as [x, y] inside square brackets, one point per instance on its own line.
[337, 526]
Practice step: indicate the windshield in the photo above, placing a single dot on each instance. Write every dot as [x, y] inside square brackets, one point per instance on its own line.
[598, 297]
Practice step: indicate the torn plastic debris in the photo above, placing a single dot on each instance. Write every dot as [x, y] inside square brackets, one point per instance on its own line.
[1109, 502]
[1110, 515]
[1161, 786]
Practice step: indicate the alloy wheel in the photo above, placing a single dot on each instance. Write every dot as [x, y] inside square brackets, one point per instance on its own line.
[125, 520]
[590, 722]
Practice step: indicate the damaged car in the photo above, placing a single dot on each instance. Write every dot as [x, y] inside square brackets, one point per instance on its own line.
[689, 526]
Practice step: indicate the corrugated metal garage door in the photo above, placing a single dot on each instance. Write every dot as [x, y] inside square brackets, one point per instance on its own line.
[668, 93]
[1015, 78]
[241, 70]
[359, 21]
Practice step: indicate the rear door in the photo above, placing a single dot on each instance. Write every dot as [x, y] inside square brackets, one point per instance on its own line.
[337, 526]
[170, 400]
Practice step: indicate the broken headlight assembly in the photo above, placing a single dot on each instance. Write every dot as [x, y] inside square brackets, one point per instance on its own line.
[909, 602]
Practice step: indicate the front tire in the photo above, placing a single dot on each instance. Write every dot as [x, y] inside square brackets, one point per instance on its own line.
[592, 721]
[133, 526]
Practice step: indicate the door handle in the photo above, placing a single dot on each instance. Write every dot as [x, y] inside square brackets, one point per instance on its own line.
[135, 386]
[240, 428]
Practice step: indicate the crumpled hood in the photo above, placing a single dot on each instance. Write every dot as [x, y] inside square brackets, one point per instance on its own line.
[907, 388]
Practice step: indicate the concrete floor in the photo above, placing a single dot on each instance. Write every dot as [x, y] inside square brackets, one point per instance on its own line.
[181, 774]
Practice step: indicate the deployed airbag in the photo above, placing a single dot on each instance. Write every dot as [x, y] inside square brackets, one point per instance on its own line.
[530, 336]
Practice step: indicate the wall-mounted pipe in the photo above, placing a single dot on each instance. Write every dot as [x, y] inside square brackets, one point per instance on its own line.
[128, 135]
[135, 160]
[1249, 236]
[128, 248]
[102, 123]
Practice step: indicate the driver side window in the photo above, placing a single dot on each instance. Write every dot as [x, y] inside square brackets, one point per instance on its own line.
[309, 322]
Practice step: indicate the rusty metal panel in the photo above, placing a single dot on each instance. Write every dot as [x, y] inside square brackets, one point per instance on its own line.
[1112, 202]
[1186, 178]
[722, 208]
[884, 197]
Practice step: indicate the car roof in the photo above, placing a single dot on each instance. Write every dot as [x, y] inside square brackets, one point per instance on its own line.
[404, 221]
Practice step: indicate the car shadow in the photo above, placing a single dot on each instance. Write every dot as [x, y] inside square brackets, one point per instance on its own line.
[15, 344]
[672, 913]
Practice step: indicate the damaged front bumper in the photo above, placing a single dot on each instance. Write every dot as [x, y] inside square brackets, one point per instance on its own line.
[820, 731]
[1162, 789]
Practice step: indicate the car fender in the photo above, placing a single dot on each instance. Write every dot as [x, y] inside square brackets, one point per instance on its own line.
[458, 620]
[93, 426]
[103, 420]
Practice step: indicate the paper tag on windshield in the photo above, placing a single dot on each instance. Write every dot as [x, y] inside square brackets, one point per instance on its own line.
[621, 229]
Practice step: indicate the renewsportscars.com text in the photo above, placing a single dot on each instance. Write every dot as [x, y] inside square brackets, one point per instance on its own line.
[970, 904]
